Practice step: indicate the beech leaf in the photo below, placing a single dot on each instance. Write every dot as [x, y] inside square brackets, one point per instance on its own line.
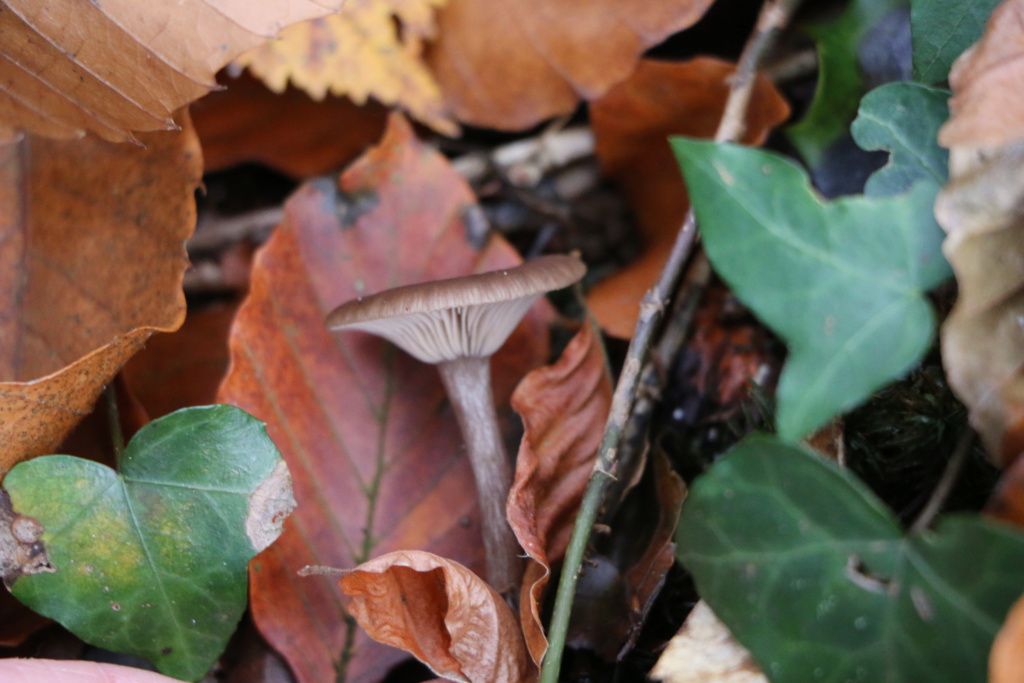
[120, 66]
[842, 282]
[92, 254]
[370, 439]
[812, 573]
[442, 613]
[980, 210]
[152, 560]
[512, 65]
[564, 408]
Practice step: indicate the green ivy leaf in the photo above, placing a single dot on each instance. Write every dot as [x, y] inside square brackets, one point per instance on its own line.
[942, 29]
[903, 119]
[152, 561]
[840, 80]
[815, 577]
[841, 282]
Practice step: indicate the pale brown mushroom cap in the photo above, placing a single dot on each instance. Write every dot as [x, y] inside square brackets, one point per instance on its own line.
[468, 316]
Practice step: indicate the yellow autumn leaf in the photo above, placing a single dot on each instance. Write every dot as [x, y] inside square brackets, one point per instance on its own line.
[371, 48]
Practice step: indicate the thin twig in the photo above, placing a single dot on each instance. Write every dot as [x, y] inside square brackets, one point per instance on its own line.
[946, 482]
[114, 422]
[774, 16]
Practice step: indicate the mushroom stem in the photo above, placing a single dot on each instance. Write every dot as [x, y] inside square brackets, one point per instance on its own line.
[468, 381]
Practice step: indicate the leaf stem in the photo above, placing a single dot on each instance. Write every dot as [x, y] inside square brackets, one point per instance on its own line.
[774, 16]
[946, 482]
[114, 422]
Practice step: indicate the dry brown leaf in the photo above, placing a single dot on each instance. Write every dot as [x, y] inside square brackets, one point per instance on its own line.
[510, 65]
[564, 407]
[120, 65]
[290, 132]
[372, 444]
[91, 265]
[981, 210]
[371, 48]
[705, 652]
[982, 346]
[987, 108]
[1006, 660]
[440, 612]
[631, 126]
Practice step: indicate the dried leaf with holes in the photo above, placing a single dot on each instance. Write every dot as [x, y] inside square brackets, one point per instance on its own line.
[21, 548]
[370, 48]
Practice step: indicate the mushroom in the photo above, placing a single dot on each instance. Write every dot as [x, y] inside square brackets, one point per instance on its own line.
[457, 324]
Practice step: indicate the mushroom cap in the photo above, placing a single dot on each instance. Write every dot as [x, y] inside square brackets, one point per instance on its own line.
[460, 317]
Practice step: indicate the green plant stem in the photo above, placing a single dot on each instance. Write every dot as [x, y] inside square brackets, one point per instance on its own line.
[114, 421]
[774, 16]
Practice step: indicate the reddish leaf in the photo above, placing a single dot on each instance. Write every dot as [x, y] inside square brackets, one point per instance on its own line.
[564, 407]
[442, 613]
[631, 126]
[92, 259]
[289, 132]
[370, 440]
[121, 66]
[512, 65]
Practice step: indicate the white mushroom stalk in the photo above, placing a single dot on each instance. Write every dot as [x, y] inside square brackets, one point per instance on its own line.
[457, 324]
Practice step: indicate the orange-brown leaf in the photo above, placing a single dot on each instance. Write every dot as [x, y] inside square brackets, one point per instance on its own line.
[371, 48]
[91, 264]
[1006, 661]
[246, 122]
[987, 108]
[371, 442]
[121, 65]
[442, 613]
[631, 126]
[510, 65]
[564, 407]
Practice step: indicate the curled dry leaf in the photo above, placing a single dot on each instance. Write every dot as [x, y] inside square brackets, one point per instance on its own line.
[101, 272]
[370, 48]
[980, 209]
[627, 567]
[121, 66]
[442, 613]
[372, 445]
[631, 125]
[705, 652]
[564, 407]
[512, 65]
[987, 108]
